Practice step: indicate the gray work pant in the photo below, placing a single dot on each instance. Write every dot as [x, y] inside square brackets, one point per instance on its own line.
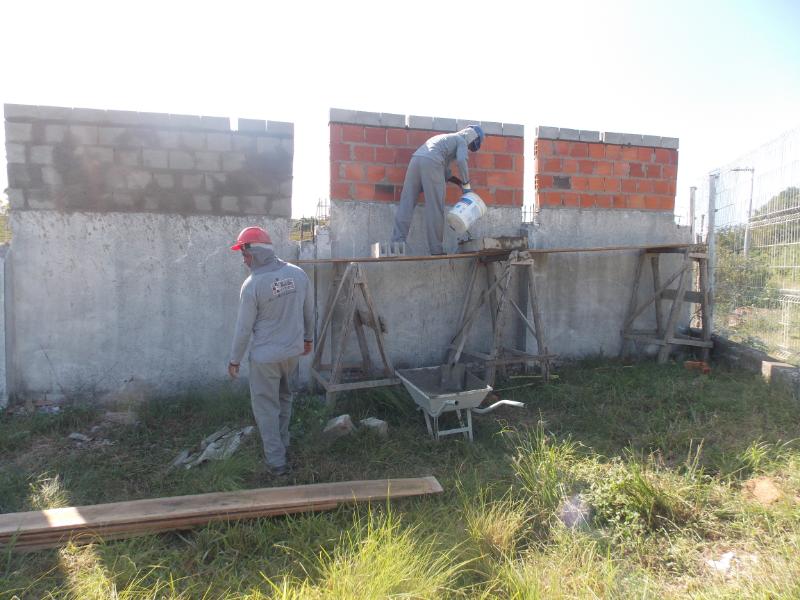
[271, 400]
[423, 175]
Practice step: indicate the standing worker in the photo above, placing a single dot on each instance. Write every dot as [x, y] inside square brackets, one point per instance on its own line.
[275, 309]
[428, 172]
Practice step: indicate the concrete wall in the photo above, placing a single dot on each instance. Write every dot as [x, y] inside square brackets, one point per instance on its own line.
[120, 269]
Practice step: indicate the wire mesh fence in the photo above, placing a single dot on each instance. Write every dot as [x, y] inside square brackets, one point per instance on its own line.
[756, 225]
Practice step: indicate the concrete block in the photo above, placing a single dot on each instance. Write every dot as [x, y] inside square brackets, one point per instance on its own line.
[166, 181]
[547, 133]
[255, 205]
[98, 154]
[393, 120]
[444, 124]
[572, 135]
[54, 134]
[138, 180]
[513, 130]
[233, 161]
[109, 136]
[116, 178]
[55, 113]
[130, 158]
[491, 127]
[365, 118]
[24, 176]
[123, 117]
[151, 203]
[192, 140]
[669, 142]
[288, 145]
[462, 123]
[151, 119]
[267, 145]
[185, 122]
[154, 159]
[51, 176]
[589, 136]
[87, 115]
[229, 204]
[16, 153]
[23, 112]
[653, 141]
[207, 161]
[244, 143]
[281, 207]
[85, 135]
[202, 203]
[41, 155]
[418, 122]
[193, 182]
[216, 123]
[16, 198]
[280, 128]
[215, 182]
[169, 139]
[252, 125]
[340, 115]
[19, 132]
[180, 159]
[125, 200]
[40, 199]
[219, 142]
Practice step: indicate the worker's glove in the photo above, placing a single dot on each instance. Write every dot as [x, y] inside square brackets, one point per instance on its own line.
[456, 180]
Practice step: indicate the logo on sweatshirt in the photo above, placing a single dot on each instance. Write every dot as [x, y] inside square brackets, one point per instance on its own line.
[281, 287]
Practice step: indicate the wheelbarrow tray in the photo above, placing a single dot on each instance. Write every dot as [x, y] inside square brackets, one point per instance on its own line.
[424, 386]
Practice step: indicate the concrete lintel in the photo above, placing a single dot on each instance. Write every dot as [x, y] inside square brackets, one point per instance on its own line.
[547, 132]
[492, 127]
[589, 136]
[341, 115]
[669, 142]
[151, 119]
[21, 112]
[393, 120]
[216, 123]
[280, 128]
[571, 135]
[123, 117]
[444, 124]
[513, 130]
[653, 141]
[623, 139]
[252, 125]
[419, 122]
[185, 121]
[88, 115]
[55, 113]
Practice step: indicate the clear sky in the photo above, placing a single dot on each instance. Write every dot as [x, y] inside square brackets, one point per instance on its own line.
[723, 76]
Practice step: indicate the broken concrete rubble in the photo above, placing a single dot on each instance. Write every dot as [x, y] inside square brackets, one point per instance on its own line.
[379, 427]
[339, 426]
[220, 445]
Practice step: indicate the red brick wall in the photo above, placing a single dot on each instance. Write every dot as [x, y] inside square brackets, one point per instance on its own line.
[369, 163]
[580, 174]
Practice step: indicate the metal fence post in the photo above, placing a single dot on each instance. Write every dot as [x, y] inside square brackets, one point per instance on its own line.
[692, 231]
[712, 244]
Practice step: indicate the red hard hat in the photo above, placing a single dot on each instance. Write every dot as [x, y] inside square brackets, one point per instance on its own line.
[251, 235]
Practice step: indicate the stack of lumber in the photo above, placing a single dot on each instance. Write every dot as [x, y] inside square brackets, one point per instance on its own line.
[36, 530]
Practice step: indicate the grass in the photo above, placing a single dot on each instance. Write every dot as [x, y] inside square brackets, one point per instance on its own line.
[663, 459]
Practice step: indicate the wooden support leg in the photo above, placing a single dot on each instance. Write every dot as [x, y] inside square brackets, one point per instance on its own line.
[704, 307]
[538, 322]
[675, 311]
[654, 260]
[632, 303]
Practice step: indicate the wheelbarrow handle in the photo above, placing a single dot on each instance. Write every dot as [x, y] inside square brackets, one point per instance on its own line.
[488, 409]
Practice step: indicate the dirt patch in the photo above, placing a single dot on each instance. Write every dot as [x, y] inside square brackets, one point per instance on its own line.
[763, 490]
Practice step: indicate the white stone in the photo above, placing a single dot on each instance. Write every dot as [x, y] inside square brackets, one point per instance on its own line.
[379, 427]
[339, 426]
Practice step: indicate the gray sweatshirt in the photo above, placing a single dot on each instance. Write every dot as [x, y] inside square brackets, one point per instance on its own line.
[275, 308]
[448, 147]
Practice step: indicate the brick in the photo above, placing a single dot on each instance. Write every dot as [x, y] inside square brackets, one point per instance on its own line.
[652, 171]
[543, 131]
[630, 153]
[644, 154]
[603, 167]
[579, 150]
[180, 159]
[613, 152]
[504, 197]
[340, 151]
[417, 138]
[543, 149]
[603, 201]
[364, 153]
[418, 122]
[551, 165]
[580, 183]
[541, 182]
[662, 187]
[597, 151]
[352, 172]
[549, 199]
[154, 159]
[621, 169]
[611, 184]
[219, 142]
[41, 155]
[402, 155]
[636, 201]
[636, 170]
[629, 186]
[353, 133]
[481, 178]
[166, 181]
[481, 160]
[596, 184]
[395, 175]
[515, 145]
[207, 161]
[586, 166]
[233, 161]
[561, 148]
[644, 186]
[396, 137]
[619, 202]
[229, 204]
[375, 173]
[191, 140]
[571, 135]
[280, 128]
[493, 143]
[569, 166]
[585, 201]
[444, 124]
[16, 153]
[138, 180]
[340, 191]
[19, 132]
[669, 172]
[513, 130]
[51, 177]
[666, 157]
[385, 155]
[503, 161]
[16, 199]
[364, 191]
[251, 126]
[375, 135]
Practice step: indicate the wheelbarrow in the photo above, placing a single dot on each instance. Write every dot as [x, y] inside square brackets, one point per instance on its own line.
[424, 385]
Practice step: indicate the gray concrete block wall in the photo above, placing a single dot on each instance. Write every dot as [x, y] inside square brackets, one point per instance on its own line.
[444, 124]
[75, 159]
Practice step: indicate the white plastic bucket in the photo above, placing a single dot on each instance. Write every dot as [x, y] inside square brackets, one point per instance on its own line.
[467, 210]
